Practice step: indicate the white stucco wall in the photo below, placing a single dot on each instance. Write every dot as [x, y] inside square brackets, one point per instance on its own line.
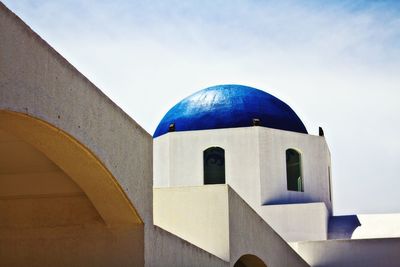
[215, 218]
[255, 167]
[315, 159]
[377, 226]
[249, 234]
[37, 81]
[296, 222]
[196, 214]
[185, 164]
[354, 253]
[255, 162]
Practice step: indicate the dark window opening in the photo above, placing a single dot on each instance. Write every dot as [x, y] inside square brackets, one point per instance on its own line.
[293, 171]
[330, 184]
[214, 165]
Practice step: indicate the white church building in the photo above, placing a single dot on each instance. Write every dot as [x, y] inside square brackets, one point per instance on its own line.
[257, 145]
[230, 177]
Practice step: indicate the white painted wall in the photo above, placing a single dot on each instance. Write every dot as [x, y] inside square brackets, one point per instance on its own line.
[185, 165]
[216, 219]
[354, 253]
[296, 222]
[315, 158]
[378, 226]
[196, 214]
[255, 165]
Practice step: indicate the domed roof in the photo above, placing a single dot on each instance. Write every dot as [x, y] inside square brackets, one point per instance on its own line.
[230, 106]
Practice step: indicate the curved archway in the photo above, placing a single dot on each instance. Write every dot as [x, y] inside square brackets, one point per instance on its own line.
[214, 165]
[77, 162]
[249, 260]
[58, 203]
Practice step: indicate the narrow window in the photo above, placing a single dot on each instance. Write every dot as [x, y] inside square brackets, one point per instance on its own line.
[293, 171]
[330, 184]
[214, 165]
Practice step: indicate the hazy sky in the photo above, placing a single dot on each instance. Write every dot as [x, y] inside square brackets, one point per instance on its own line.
[336, 64]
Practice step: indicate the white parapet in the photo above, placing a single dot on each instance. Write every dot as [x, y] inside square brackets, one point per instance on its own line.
[196, 214]
[297, 222]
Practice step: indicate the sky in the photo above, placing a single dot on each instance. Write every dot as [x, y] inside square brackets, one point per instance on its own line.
[336, 63]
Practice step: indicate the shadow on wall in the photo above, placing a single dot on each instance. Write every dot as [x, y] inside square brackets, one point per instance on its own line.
[342, 227]
[288, 200]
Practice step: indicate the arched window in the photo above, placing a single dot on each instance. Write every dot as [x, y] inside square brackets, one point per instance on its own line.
[293, 171]
[214, 165]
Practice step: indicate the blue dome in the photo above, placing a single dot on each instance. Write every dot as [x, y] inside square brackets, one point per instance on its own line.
[230, 106]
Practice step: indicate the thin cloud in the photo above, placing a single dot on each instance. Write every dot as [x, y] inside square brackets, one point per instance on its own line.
[335, 63]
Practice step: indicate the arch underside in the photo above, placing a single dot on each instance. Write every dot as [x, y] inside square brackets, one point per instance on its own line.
[58, 204]
[249, 260]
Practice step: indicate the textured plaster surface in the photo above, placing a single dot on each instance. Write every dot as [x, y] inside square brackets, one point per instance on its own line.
[196, 214]
[255, 168]
[315, 163]
[38, 82]
[298, 221]
[250, 234]
[351, 253]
